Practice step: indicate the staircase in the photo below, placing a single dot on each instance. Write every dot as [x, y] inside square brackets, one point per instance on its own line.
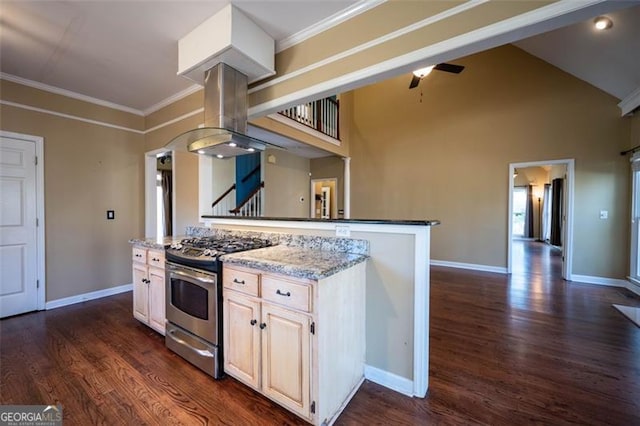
[250, 206]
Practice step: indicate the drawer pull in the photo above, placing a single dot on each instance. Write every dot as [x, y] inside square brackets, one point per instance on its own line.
[155, 260]
[287, 294]
[138, 255]
[235, 280]
[253, 322]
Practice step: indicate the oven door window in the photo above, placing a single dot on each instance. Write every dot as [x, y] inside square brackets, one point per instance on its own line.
[190, 298]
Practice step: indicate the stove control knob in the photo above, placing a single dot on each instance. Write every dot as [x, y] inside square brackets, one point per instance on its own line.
[178, 246]
[206, 252]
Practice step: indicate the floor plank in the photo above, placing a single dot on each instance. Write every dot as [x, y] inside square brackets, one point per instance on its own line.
[520, 349]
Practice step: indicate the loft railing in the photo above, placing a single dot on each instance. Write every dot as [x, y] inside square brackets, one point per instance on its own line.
[252, 204]
[321, 115]
[225, 202]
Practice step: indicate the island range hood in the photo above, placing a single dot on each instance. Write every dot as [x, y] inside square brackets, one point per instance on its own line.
[224, 53]
[225, 118]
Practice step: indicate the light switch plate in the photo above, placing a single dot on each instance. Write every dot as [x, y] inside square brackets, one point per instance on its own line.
[343, 231]
[604, 214]
[111, 214]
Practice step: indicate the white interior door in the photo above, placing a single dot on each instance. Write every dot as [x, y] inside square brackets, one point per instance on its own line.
[18, 239]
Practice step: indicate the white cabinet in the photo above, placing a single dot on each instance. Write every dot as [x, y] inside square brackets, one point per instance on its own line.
[299, 342]
[149, 287]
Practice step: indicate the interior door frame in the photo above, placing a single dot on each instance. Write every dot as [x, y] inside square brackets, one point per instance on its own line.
[40, 213]
[150, 198]
[312, 198]
[567, 270]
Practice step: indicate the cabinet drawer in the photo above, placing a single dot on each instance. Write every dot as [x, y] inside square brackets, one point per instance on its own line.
[155, 258]
[241, 281]
[139, 255]
[287, 293]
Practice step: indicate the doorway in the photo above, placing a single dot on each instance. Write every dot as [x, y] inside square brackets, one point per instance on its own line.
[540, 229]
[159, 194]
[324, 198]
[22, 246]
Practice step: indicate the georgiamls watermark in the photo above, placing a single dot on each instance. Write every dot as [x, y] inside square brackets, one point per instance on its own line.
[30, 415]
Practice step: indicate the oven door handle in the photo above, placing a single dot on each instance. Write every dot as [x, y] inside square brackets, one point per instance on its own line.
[201, 352]
[184, 274]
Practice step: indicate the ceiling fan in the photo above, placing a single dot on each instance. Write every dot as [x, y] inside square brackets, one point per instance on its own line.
[423, 72]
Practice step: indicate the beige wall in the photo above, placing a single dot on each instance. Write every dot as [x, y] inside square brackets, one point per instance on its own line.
[447, 157]
[89, 169]
[286, 182]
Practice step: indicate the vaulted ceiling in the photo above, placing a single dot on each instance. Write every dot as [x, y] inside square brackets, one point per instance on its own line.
[125, 52]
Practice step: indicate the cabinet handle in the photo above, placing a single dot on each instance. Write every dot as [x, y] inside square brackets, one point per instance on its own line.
[262, 326]
[287, 294]
[253, 322]
[235, 280]
[155, 260]
[138, 255]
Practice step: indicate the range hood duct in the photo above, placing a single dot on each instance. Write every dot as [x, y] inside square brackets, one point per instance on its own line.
[225, 118]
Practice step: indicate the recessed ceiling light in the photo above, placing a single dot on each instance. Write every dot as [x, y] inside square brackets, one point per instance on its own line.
[602, 23]
[200, 151]
[232, 144]
[220, 156]
[250, 149]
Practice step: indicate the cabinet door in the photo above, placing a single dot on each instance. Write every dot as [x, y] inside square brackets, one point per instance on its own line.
[286, 358]
[242, 338]
[156, 299]
[140, 293]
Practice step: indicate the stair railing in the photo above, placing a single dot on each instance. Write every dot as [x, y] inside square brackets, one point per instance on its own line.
[224, 202]
[252, 204]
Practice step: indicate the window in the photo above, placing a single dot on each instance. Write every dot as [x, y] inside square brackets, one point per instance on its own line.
[519, 210]
[635, 218]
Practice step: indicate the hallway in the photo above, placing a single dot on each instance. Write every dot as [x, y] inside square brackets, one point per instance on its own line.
[536, 258]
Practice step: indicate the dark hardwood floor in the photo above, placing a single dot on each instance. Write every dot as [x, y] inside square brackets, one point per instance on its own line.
[505, 350]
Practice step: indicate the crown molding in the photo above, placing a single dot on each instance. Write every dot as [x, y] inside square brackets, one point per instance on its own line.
[171, 99]
[630, 103]
[327, 23]
[68, 93]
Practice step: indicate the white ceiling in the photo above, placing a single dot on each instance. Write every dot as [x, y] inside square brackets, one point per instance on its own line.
[125, 52]
[609, 60]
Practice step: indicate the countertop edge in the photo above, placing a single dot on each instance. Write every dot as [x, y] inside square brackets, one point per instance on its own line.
[433, 222]
[290, 270]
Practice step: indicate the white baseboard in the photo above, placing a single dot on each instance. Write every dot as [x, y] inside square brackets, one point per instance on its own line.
[588, 279]
[633, 286]
[389, 380]
[471, 266]
[98, 294]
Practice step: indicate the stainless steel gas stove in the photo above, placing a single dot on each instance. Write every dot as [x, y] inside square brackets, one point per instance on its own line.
[194, 297]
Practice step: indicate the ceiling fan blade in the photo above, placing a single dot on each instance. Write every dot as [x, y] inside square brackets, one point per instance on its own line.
[414, 81]
[456, 69]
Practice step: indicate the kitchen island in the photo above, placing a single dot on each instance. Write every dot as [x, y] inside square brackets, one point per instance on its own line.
[397, 288]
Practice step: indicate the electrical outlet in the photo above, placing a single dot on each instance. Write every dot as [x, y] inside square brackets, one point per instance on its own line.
[343, 231]
[604, 214]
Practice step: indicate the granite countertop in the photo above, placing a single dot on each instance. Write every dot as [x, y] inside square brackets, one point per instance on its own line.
[156, 243]
[431, 222]
[295, 261]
